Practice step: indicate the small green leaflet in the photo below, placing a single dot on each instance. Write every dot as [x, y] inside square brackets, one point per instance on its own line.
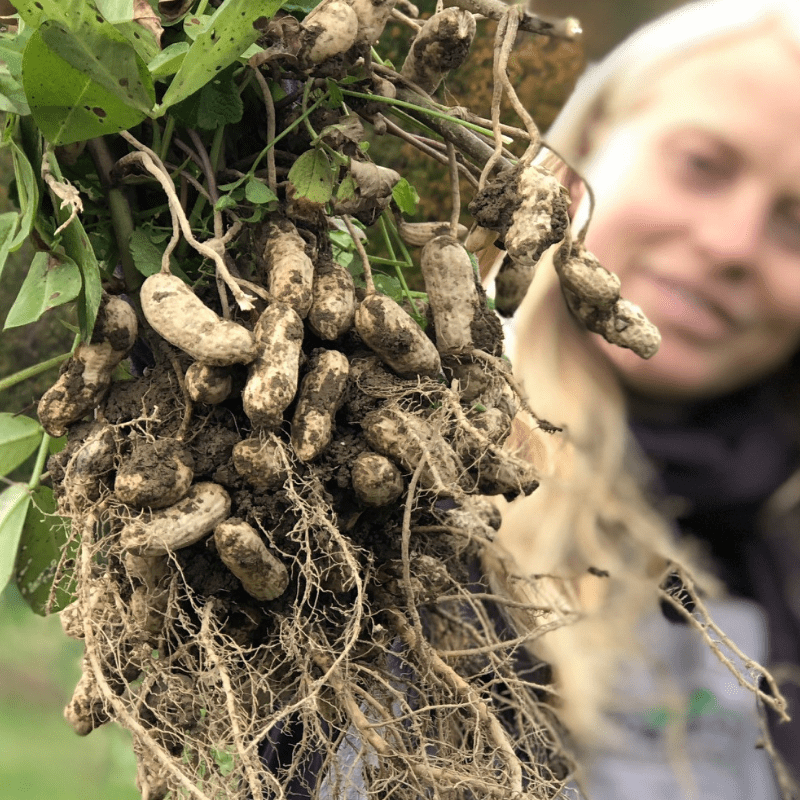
[230, 32]
[312, 176]
[169, 60]
[27, 193]
[12, 95]
[406, 197]
[19, 438]
[52, 280]
[259, 193]
[67, 105]
[386, 284]
[8, 225]
[14, 503]
[44, 536]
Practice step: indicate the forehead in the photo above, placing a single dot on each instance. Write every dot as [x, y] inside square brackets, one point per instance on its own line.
[747, 89]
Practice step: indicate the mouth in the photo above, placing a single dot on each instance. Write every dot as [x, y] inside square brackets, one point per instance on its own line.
[690, 311]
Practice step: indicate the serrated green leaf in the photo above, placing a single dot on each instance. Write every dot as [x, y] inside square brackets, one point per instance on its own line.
[19, 438]
[406, 197]
[230, 32]
[44, 536]
[312, 176]
[169, 60]
[52, 280]
[27, 194]
[67, 105]
[14, 503]
[220, 103]
[259, 193]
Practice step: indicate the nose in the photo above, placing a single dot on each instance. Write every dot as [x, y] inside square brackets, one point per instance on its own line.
[730, 231]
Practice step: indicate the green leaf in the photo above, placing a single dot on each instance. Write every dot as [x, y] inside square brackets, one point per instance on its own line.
[44, 536]
[312, 176]
[230, 32]
[147, 255]
[115, 10]
[8, 226]
[101, 53]
[300, 6]
[27, 194]
[14, 503]
[225, 202]
[259, 193]
[19, 437]
[52, 280]
[347, 188]
[12, 95]
[406, 197]
[336, 96]
[220, 103]
[386, 284]
[67, 105]
[169, 60]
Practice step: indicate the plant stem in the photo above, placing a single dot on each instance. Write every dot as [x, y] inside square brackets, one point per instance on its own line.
[41, 457]
[32, 372]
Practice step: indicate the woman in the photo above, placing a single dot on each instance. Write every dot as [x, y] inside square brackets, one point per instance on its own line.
[689, 135]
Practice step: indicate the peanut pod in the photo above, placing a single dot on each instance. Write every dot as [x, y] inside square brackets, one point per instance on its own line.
[407, 439]
[261, 462]
[624, 324]
[581, 273]
[244, 553]
[179, 316]
[86, 375]
[86, 709]
[376, 480]
[333, 306]
[156, 474]
[290, 272]
[272, 380]
[329, 30]
[441, 45]
[320, 396]
[180, 525]
[208, 384]
[450, 283]
[395, 337]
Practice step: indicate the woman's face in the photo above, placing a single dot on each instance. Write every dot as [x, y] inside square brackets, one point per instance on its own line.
[698, 212]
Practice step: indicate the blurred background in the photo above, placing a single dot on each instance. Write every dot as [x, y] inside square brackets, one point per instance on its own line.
[41, 757]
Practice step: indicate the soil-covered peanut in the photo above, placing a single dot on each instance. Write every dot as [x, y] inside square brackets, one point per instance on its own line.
[208, 384]
[261, 461]
[87, 709]
[441, 45]
[333, 306]
[583, 274]
[272, 380]
[407, 439]
[176, 313]
[376, 480]
[186, 522]
[88, 467]
[372, 18]
[156, 474]
[624, 324]
[450, 283]
[290, 272]
[395, 337]
[330, 30]
[319, 398]
[86, 376]
[245, 554]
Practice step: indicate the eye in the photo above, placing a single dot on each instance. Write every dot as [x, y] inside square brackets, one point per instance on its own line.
[698, 162]
[784, 225]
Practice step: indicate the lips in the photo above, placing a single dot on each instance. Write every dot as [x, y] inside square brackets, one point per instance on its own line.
[686, 309]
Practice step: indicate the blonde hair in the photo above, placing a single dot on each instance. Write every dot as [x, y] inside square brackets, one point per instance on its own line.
[591, 515]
